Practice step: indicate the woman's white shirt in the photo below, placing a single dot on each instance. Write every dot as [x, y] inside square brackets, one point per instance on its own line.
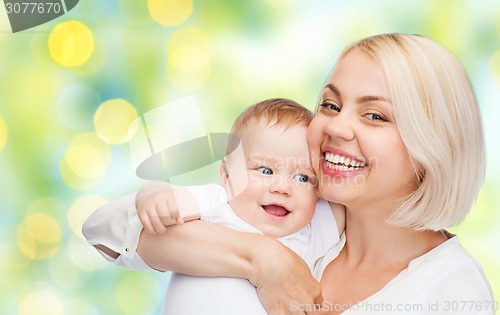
[445, 280]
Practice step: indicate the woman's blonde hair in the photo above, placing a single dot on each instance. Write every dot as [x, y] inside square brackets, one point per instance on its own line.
[440, 124]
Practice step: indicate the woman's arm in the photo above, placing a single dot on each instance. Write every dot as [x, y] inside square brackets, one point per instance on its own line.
[197, 248]
[203, 249]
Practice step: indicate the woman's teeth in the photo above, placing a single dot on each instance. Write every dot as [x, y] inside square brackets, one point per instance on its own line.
[341, 163]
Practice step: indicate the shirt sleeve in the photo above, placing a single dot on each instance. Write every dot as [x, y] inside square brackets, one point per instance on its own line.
[207, 198]
[116, 225]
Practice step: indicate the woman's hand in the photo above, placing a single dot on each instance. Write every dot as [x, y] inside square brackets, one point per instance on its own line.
[283, 280]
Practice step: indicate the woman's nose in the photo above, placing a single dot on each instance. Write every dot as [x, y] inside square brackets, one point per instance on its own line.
[341, 127]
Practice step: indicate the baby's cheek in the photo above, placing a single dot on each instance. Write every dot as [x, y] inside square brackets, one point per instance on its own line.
[311, 196]
[255, 179]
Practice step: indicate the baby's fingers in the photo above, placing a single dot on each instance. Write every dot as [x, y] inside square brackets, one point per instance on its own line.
[179, 221]
[173, 210]
[156, 221]
[164, 215]
[146, 223]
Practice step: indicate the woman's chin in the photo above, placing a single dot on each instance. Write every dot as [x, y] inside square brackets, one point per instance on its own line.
[326, 189]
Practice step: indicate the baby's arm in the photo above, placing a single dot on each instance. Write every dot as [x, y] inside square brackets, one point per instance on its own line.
[115, 227]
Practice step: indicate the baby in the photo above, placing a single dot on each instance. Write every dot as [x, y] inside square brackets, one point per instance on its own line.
[267, 187]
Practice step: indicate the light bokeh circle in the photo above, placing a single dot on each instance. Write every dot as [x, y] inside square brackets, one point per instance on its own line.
[189, 55]
[39, 236]
[113, 119]
[170, 12]
[71, 43]
[41, 303]
[85, 161]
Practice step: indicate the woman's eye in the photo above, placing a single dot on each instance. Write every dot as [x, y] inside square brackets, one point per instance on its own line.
[373, 116]
[330, 106]
[301, 178]
[265, 170]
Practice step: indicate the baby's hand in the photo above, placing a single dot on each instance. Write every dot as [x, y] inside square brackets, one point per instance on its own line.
[158, 205]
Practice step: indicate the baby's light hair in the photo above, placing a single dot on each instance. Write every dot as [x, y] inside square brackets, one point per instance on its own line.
[276, 112]
[280, 112]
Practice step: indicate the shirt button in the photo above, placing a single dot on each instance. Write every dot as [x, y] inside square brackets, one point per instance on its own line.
[127, 249]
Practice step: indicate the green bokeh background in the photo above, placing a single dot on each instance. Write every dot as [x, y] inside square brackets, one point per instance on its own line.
[256, 50]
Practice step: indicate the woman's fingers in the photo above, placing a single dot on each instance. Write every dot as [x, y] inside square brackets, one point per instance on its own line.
[317, 302]
[283, 280]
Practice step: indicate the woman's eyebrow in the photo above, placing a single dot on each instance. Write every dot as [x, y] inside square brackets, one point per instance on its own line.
[362, 99]
[371, 98]
[334, 89]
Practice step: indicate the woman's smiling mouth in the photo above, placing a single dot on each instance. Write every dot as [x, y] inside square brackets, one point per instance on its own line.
[340, 162]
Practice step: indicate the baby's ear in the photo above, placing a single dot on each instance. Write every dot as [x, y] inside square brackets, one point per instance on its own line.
[223, 175]
[225, 181]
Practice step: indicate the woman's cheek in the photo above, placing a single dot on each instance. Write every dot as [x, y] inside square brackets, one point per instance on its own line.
[314, 138]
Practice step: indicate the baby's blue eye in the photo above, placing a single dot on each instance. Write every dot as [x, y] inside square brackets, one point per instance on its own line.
[301, 178]
[265, 170]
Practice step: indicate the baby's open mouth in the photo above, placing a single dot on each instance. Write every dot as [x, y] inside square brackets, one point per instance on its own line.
[276, 210]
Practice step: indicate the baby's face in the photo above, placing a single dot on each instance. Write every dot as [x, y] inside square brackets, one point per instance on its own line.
[272, 180]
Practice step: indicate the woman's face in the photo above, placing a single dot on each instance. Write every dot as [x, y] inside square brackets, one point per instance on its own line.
[356, 149]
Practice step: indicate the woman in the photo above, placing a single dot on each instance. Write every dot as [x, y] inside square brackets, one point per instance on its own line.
[403, 106]
[398, 140]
